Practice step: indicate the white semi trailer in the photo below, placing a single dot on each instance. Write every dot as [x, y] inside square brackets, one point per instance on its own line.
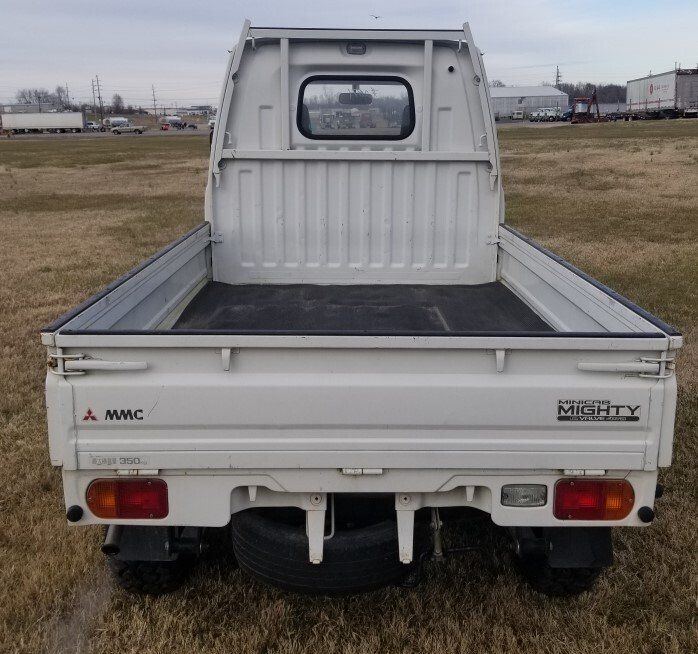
[355, 345]
[672, 94]
[67, 121]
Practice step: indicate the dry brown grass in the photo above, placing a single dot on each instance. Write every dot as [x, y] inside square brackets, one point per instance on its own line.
[618, 200]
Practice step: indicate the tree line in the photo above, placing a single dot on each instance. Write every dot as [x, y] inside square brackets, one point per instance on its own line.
[605, 93]
[58, 99]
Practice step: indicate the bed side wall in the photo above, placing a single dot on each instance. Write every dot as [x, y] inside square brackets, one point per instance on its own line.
[151, 295]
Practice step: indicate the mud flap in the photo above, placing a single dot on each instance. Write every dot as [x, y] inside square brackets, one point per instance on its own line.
[567, 547]
[141, 543]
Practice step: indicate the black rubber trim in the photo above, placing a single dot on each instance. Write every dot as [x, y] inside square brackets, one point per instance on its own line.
[283, 332]
[668, 329]
[357, 137]
[66, 317]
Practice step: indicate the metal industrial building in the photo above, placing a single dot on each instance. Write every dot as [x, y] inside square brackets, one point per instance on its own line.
[508, 99]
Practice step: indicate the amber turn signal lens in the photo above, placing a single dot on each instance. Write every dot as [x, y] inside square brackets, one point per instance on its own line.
[128, 498]
[597, 499]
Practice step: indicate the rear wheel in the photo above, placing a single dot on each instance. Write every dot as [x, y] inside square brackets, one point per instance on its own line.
[137, 131]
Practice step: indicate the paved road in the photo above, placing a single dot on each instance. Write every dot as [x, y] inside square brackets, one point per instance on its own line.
[507, 124]
[203, 130]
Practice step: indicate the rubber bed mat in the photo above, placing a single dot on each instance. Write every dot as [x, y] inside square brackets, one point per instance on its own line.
[358, 309]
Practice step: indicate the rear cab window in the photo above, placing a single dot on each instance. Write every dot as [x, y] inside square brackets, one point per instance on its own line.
[361, 107]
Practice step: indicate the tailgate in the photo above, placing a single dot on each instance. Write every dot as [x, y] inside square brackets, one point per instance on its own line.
[294, 407]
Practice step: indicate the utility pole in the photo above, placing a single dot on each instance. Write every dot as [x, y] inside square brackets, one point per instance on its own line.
[94, 100]
[67, 95]
[558, 77]
[99, 97]
[155, 106]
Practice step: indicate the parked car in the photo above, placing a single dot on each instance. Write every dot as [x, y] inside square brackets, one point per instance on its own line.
[545, 114]
[566, 116]
[175, 122]
[353, 341]
[92, 126]
[517, 115]
[615, 116]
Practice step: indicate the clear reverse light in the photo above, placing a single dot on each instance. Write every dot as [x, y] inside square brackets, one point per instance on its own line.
[524, 495]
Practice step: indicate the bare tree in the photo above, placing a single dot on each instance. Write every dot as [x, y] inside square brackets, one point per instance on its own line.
[30, 96]
[497, 83]
[61, 94]
[117, 103]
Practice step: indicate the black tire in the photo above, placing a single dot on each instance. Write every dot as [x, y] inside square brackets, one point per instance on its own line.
[556, 582]
[137, 131]
[354, 560]
[150, 577]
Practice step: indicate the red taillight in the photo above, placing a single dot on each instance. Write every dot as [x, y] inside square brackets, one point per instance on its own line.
[128, 498]
[598, 499]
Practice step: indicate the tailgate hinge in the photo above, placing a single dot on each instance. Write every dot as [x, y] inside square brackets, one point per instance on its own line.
[56, 364]
[666, 366]
[216, 237]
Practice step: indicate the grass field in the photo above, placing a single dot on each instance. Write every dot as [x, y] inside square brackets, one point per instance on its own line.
[620, 201]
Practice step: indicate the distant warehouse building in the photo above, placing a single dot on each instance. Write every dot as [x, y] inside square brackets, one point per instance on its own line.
[508, 99]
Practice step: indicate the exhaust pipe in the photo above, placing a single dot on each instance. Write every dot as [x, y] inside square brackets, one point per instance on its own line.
[112, 541]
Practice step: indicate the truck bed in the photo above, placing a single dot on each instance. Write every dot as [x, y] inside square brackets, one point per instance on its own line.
[359, 309]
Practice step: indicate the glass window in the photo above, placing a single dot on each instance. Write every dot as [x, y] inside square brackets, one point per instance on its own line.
[355, 108]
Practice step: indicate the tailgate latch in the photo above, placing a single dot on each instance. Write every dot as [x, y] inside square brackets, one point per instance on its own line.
[358, 472]
[66, 365]
[655, 367]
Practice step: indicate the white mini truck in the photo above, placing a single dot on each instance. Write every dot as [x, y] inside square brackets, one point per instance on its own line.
[354, 347]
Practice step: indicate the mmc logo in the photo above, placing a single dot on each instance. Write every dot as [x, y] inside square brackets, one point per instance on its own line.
[114, 414]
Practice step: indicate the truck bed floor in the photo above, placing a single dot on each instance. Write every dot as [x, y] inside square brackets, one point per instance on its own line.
[365, 309]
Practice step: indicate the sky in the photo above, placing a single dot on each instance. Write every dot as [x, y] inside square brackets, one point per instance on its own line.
[180, 47]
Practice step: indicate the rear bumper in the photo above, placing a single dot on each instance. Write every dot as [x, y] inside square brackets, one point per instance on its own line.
[207, 498]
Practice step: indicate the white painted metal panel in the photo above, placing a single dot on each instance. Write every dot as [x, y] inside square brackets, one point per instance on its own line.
[365, 406]
[152, 292]
[288, 216]
[352, 222]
